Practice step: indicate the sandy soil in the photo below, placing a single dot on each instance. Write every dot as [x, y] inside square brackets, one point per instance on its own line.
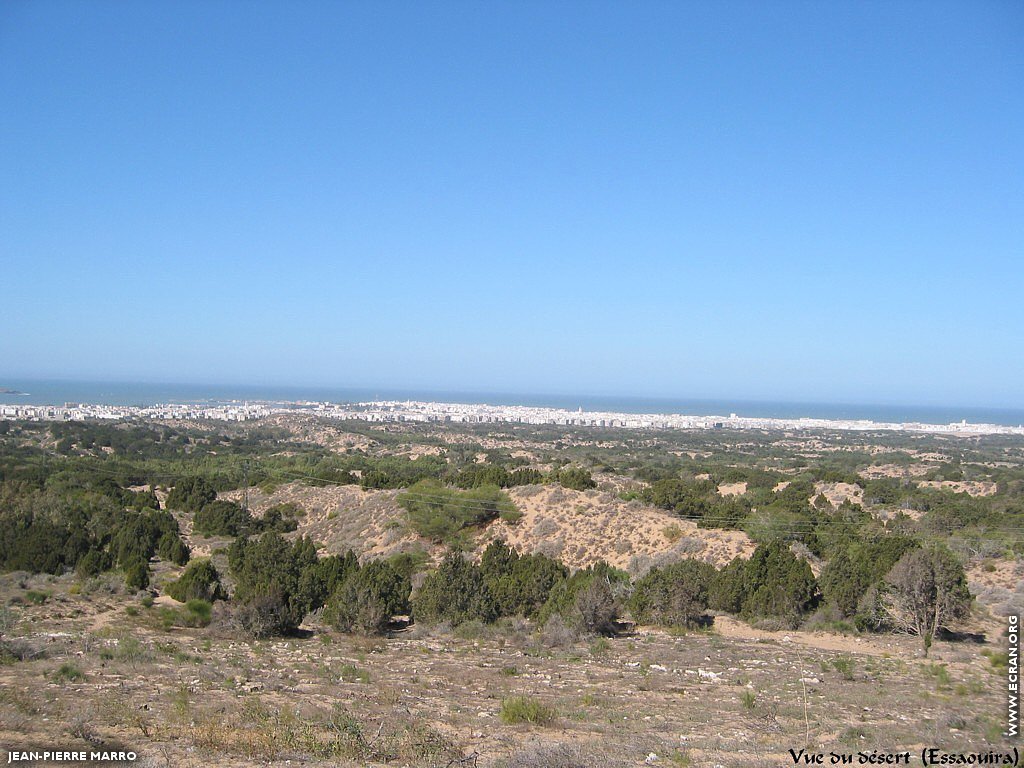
[970, 487]
[732, 696]
[732, 489]
[895, 470]
[837, 493]
[582, 527]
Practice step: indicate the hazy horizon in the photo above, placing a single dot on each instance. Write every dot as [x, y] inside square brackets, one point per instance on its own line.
[149, 392]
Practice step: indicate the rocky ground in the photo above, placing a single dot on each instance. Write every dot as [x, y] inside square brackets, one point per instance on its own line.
[92, 666]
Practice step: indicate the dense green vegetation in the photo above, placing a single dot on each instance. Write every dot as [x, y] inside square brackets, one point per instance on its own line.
[200, 581]
[439, 513]
[85, 498]
[674, 596]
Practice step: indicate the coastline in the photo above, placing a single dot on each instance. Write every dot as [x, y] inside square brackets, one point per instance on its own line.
[417, 411]
[48, 392]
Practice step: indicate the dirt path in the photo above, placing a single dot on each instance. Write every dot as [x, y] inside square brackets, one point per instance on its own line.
[729, 627]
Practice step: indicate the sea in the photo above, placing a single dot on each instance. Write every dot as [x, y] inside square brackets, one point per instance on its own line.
[59, 392]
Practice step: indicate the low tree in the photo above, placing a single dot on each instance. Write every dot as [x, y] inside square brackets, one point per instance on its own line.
[269, 584]
[574, 478]
[136, 575]
[191, 494]
[729, 587]
[676, 595]
[854, 569]
[369, 598]
[925, 592]
[321, 579]
[588, 601]
[92, 563]
[773, 583]
[280, 518]
[520, 584]
[200, 581]
[456, 592]
[222, 518]
[779, 584]
[171, 548]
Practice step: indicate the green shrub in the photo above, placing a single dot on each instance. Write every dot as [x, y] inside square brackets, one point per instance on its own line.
[845, 666]
[129, 649]
[438, 513]
[200, 581]
[676, 596]
[273, 587]
[198, 613]
[68, 673]
[729, 588]
[748, 699]
[368, 598]
[222, 518]
[455, 592]
[939, 672]
[587, 600]
[998, 660]
[136, 575]
[321, 578]
[574, 478]
[280, 518]
[519, 584]
[171, 548]
[774, 583]
[854, 569]
[191, 494]
[93, 563]
[522, 709]
[350, 673]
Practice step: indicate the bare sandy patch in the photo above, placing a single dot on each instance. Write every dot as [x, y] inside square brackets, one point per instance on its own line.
[579, 527]
[895, 470]
[970, 487]
[732, 489]
[837, 493]
[584, 527]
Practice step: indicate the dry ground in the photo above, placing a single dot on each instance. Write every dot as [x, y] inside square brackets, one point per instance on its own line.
[192, 697]
[579, 527]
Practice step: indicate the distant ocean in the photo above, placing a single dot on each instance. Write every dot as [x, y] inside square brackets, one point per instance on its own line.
[122, 393]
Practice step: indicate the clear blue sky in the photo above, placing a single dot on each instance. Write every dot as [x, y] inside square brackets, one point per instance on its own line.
[803, 201]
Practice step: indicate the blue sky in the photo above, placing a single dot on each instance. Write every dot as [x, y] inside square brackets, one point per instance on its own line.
[802, 201]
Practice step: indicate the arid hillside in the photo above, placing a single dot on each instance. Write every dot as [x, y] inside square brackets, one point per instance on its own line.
[578, 527]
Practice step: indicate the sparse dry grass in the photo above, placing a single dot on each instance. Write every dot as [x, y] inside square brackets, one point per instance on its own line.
[422, 698]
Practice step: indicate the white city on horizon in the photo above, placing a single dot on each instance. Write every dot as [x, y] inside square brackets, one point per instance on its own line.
[387, 411]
